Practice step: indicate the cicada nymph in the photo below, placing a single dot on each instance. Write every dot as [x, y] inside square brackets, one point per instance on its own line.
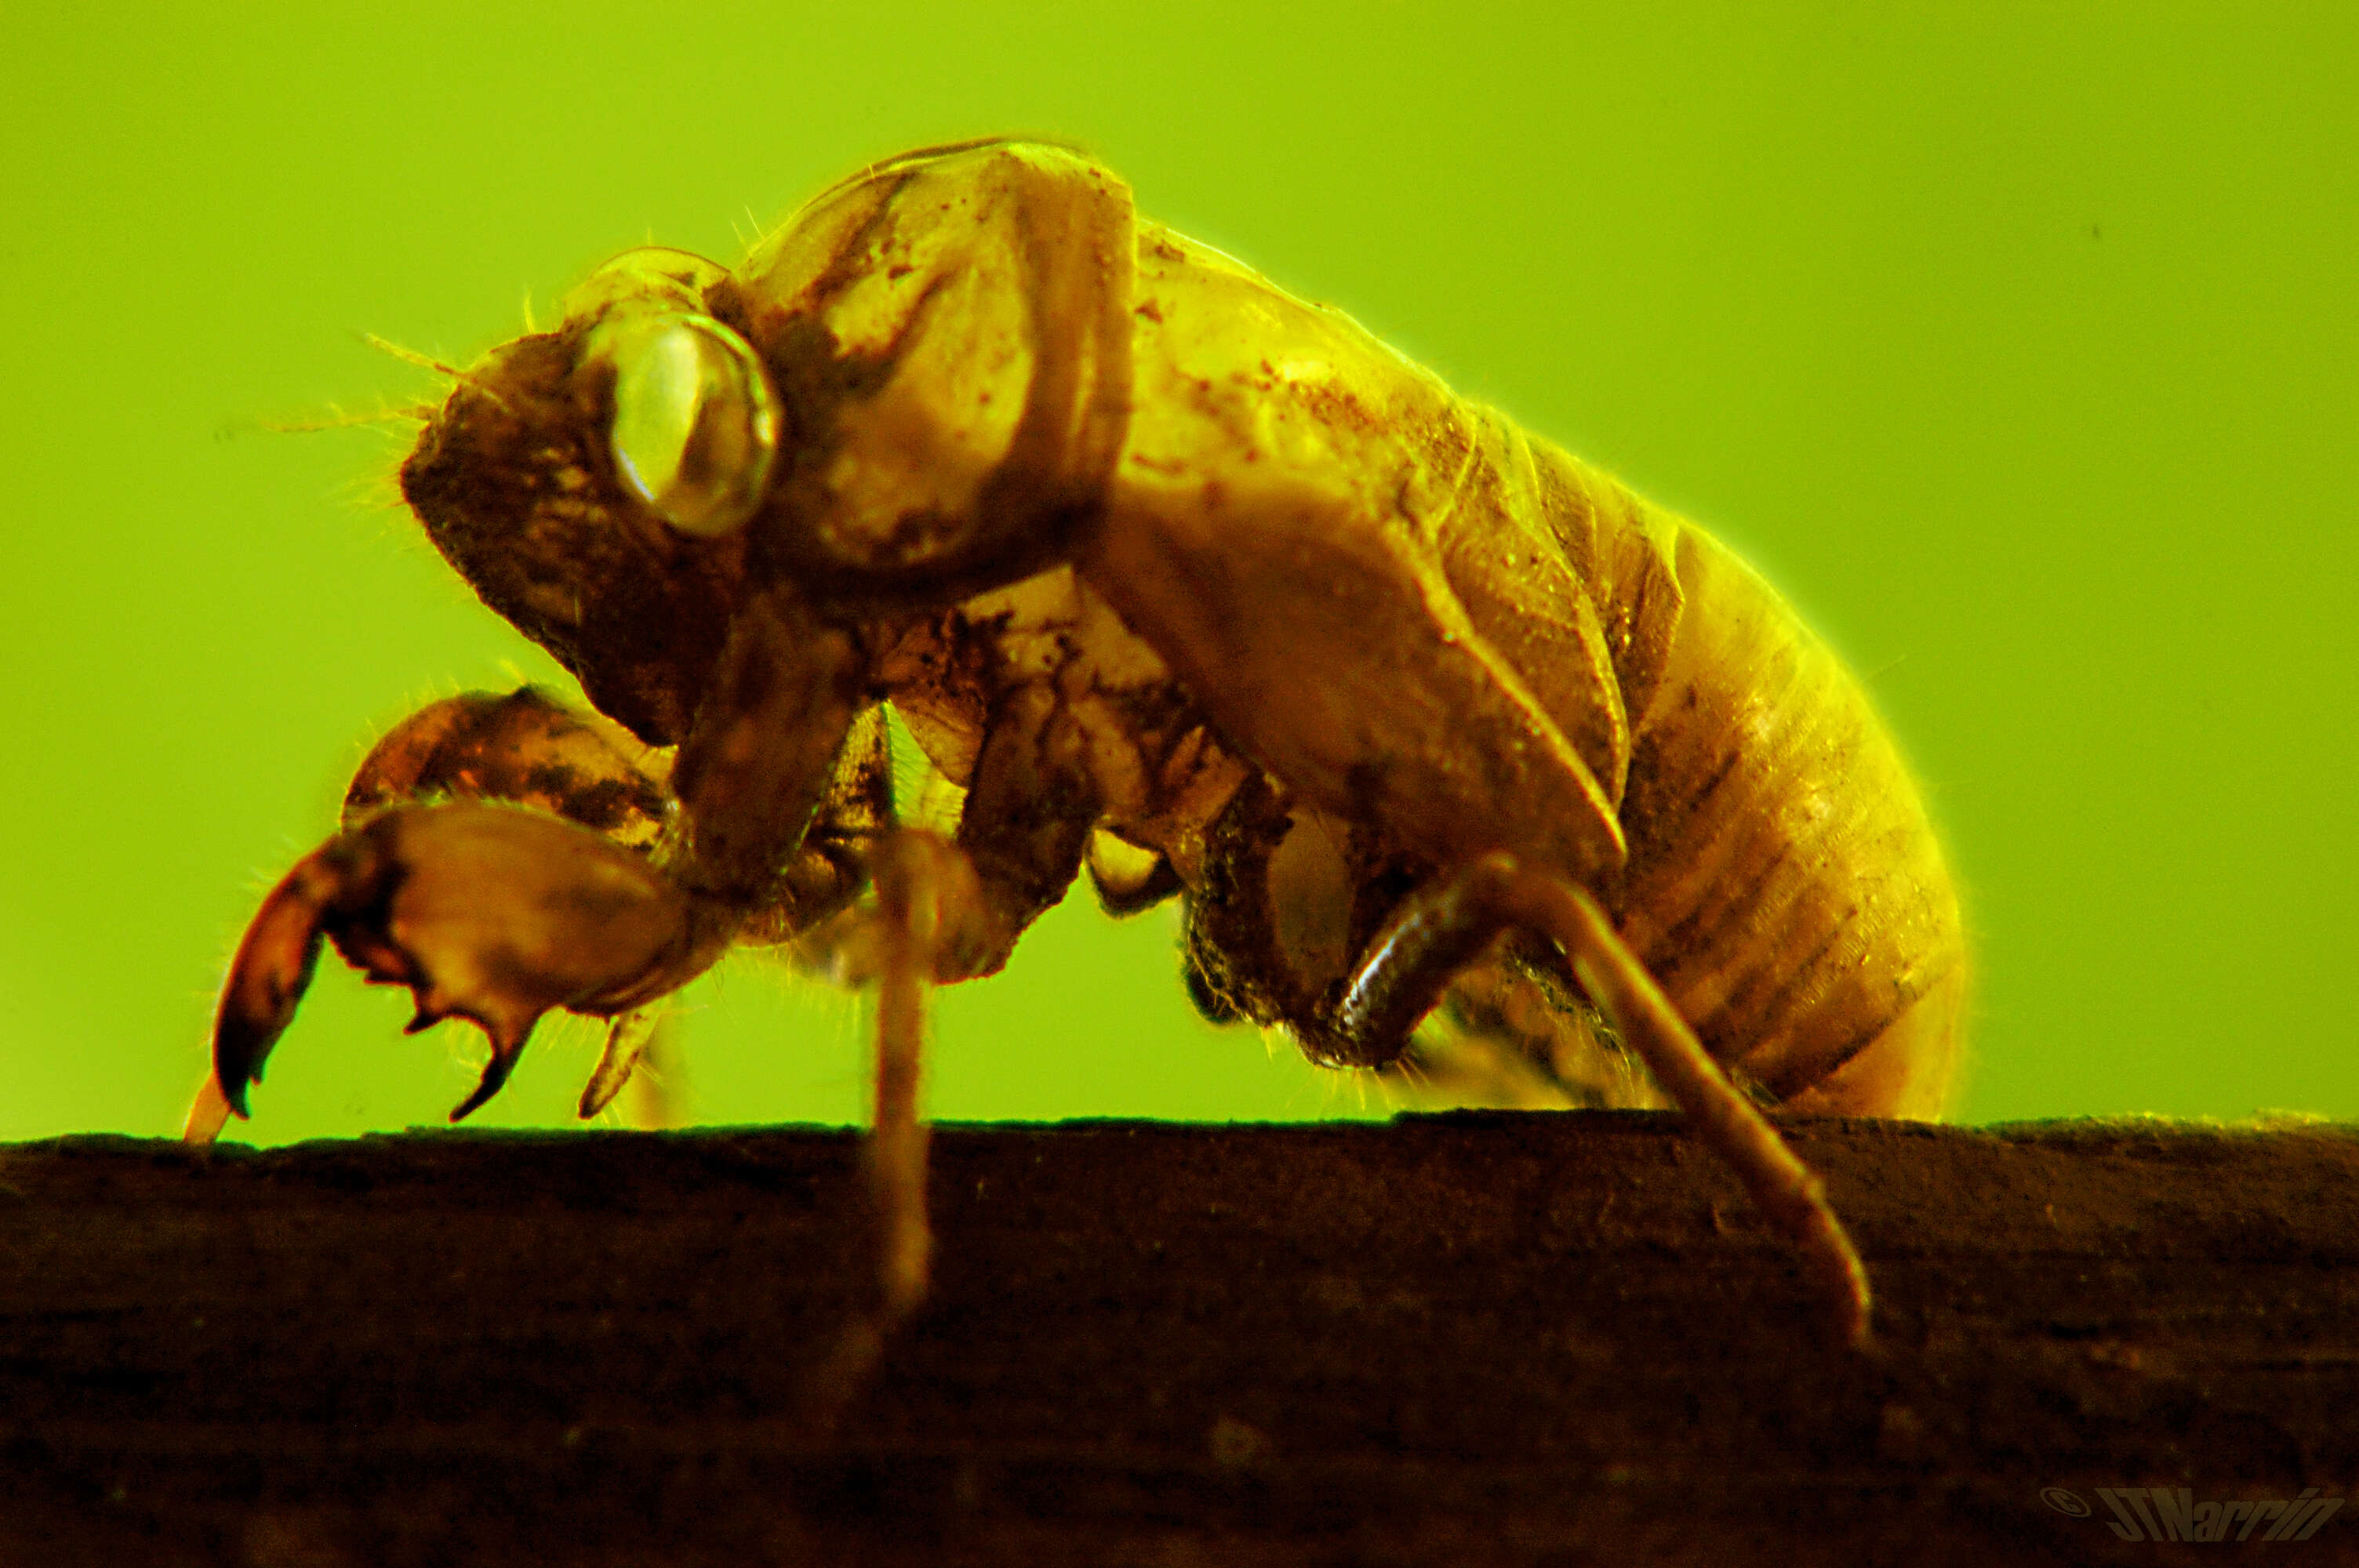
[1176, 576]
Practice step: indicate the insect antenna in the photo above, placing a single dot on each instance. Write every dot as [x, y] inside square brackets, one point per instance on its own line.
[337, 419]
[412, 357]
[396, 425]
[427, 362]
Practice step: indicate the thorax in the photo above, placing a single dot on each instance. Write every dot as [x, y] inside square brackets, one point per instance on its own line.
[1161, 775]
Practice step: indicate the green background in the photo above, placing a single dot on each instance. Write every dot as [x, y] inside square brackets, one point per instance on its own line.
[2017, 346]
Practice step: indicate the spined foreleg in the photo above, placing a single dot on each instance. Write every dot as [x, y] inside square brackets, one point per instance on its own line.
[498, 913]
[486, 912]
[523, 748]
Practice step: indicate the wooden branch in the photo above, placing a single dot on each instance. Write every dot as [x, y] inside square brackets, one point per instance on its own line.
[1483, 1337]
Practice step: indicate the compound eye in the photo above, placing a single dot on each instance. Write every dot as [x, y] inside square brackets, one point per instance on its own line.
[695, 421]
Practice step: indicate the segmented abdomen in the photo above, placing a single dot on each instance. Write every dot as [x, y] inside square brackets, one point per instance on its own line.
[1783, 884]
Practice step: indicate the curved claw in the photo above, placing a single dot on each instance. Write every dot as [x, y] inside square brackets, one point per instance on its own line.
[486, 911]
[273, 969]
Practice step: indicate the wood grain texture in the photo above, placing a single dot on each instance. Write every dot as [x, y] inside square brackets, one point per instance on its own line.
[1504, 1338]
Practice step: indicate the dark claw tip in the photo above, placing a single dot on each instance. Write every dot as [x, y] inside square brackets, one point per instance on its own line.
[273, 967]
[496, 1073]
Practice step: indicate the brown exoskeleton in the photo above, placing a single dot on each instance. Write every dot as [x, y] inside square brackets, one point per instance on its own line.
[1176, 576]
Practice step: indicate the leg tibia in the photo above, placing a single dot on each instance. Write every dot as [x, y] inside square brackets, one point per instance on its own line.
[925, 893]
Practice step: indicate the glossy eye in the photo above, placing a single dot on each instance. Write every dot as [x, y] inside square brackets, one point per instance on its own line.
[695, 421]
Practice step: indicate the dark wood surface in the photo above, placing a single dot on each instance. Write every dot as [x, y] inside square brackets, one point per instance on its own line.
[1463, 1339]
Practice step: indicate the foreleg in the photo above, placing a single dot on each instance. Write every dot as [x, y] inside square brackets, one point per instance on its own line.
[498, 914]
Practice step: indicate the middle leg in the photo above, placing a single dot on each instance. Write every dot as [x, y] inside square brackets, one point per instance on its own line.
[929, 902]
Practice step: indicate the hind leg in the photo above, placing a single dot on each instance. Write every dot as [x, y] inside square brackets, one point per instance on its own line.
[1504, 1038]
[1439, 930]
